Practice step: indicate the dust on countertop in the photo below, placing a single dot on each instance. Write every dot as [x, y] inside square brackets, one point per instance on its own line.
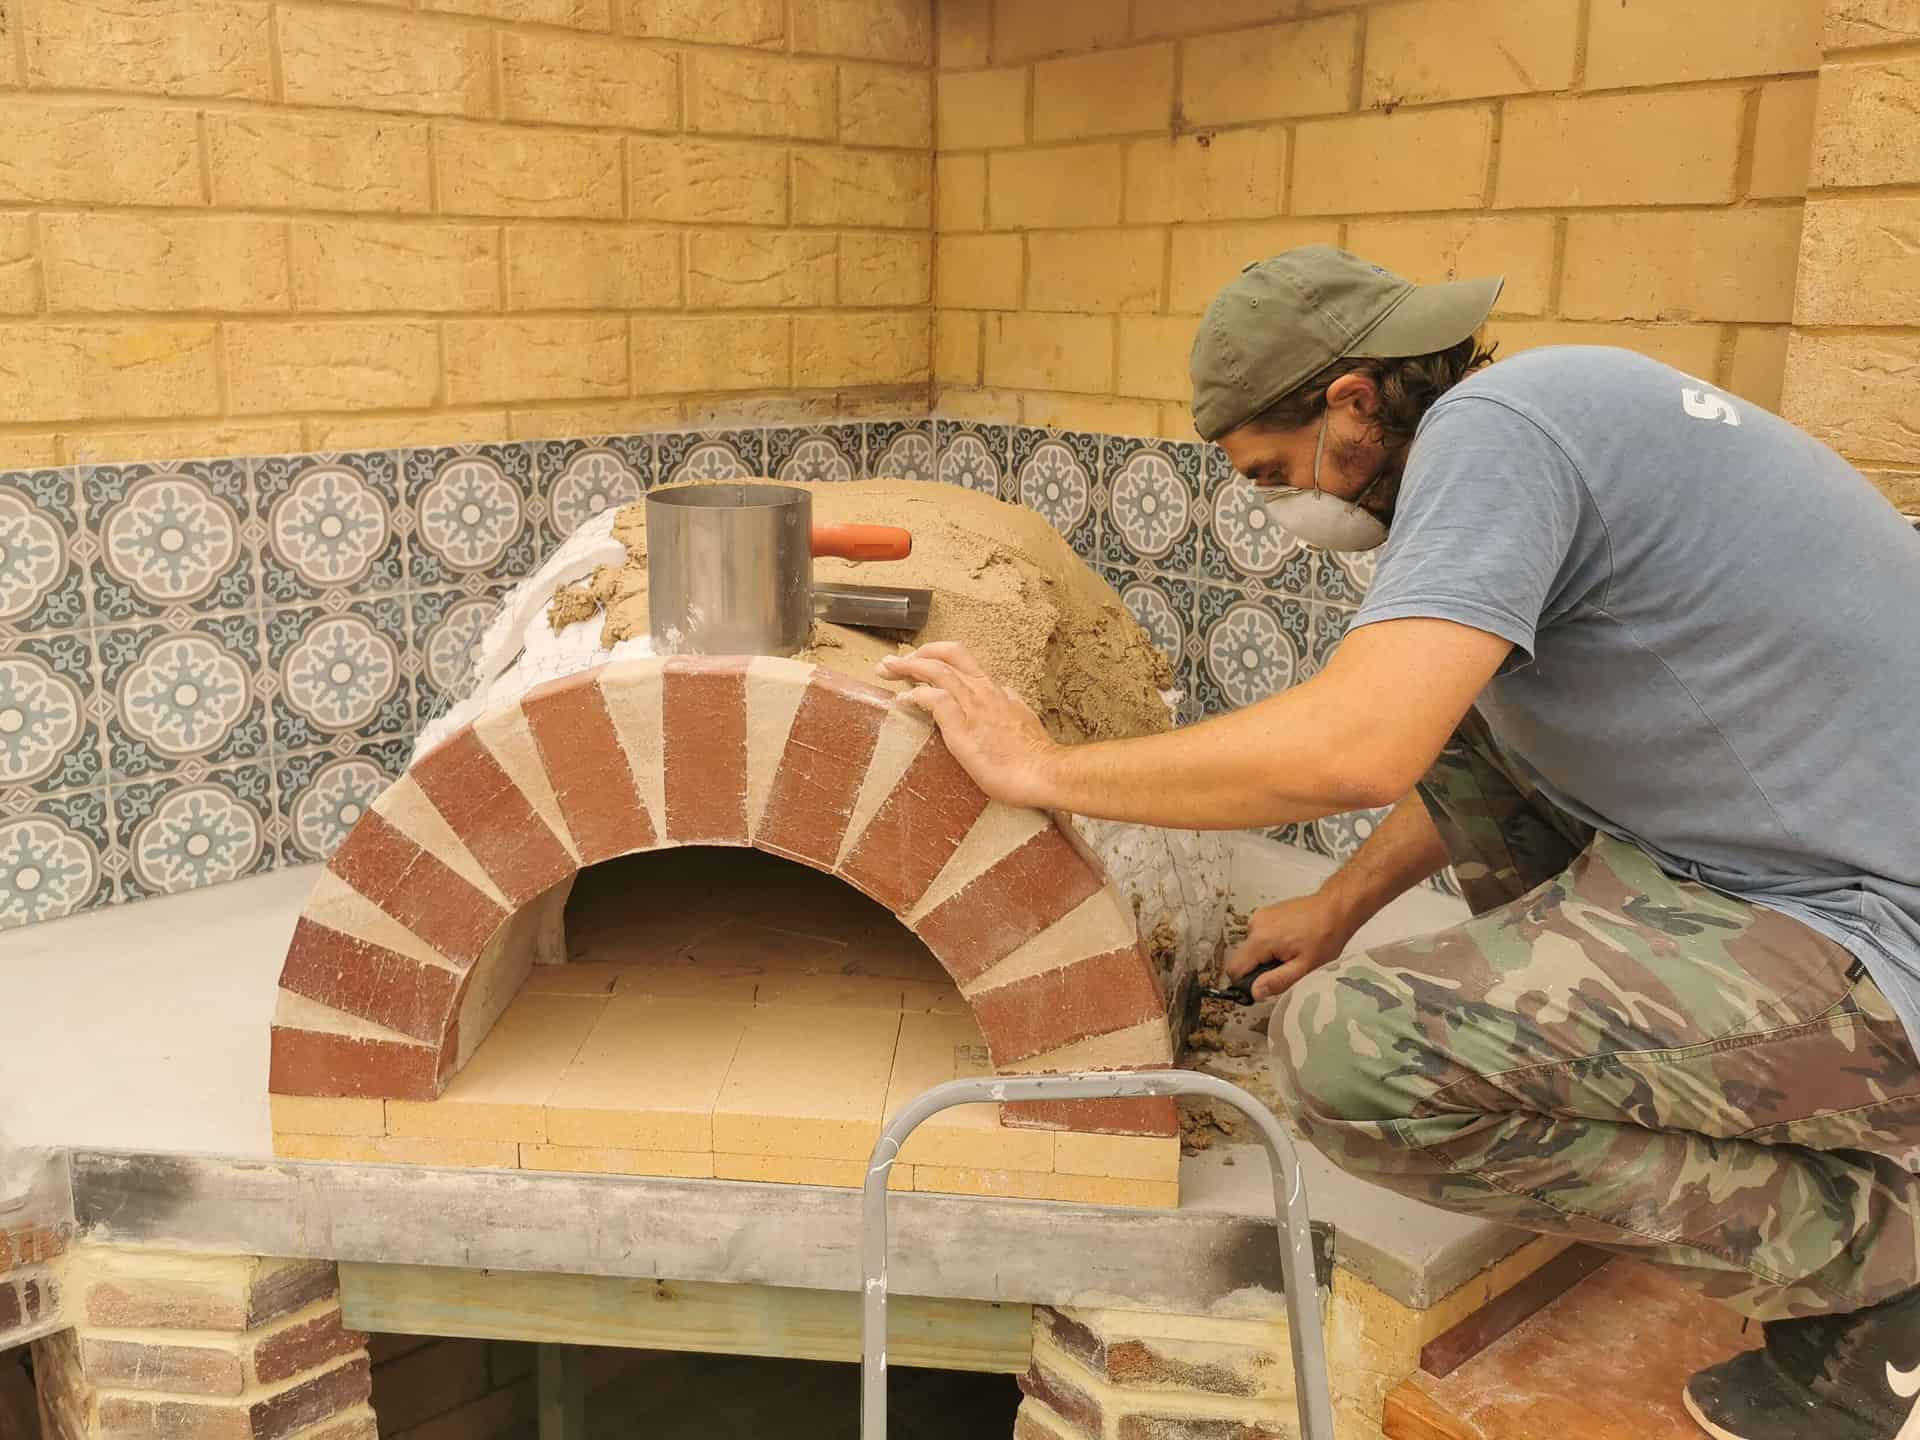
[1004, 583]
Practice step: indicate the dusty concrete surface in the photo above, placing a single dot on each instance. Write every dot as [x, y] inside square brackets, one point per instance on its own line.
[1004, 584]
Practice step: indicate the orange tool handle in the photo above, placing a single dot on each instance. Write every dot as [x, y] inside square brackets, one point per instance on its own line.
[862, 542]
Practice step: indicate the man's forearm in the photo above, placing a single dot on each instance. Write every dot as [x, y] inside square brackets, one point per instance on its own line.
[1274, 763]
[1404, 851]
[1358, 734]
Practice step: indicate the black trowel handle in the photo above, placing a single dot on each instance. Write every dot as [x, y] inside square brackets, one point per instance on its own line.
[1241, 991]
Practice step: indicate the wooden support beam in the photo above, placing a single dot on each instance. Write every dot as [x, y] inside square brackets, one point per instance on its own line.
[680, 1315]
[562, 1389]
[1444, 1354]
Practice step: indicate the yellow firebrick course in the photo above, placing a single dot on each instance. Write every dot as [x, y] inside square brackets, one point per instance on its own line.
[1638, 175]
[554, 1087]
[234, 227]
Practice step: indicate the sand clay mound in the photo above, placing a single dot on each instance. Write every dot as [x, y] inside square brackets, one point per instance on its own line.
[1004, 584]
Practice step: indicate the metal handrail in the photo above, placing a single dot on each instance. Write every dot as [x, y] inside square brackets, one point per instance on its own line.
[1297, 1273]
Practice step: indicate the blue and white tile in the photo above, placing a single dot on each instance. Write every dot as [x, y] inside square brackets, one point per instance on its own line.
[1058, 475]
[332, 525]
[174, 540]
[1200, 696]
[341, 675]
[444, 626]
[580, 479]
[176, 700]
[321, 796]
[1242, 544]
[972, 454]
[1341, 836]
[899, 450]
[178, 836]
[474, 514]
[50, 723]
[55, 856]
[44, 553]
[816, 453]
[1162, 605]
[1300, 836]
[682, 456]
[1155, 505]
[1252, 644]
[1326, 627]
[1215, 468]
[1341, 577]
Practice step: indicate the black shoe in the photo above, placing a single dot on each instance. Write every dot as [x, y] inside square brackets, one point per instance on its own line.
[1828, 1377]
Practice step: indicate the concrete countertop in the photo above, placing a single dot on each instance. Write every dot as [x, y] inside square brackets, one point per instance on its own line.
[150, 1030]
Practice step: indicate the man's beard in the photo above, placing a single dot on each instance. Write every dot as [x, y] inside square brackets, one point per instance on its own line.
[1382, 489]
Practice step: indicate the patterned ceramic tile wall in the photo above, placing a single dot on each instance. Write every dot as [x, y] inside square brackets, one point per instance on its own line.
[211, 668]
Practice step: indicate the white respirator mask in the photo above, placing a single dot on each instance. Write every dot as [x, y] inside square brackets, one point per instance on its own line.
[1322, 519]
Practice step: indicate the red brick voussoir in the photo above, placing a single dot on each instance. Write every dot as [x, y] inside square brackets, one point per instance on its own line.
[786, 757]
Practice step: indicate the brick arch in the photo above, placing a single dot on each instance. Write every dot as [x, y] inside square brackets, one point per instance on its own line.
[423, 925]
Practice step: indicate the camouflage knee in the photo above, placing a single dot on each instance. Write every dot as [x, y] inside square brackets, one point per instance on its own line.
[1340, 1040]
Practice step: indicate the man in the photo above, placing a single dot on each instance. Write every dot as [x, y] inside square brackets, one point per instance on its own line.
[1641, 661]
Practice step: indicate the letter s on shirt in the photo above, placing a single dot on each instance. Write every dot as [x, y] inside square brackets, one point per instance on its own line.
[1705, 405]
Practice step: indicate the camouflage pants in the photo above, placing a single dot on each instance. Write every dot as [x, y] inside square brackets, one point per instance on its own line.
[1606, 1053]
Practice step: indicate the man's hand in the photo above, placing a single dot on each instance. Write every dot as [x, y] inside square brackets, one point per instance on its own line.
[991, 731]
[1302, 934]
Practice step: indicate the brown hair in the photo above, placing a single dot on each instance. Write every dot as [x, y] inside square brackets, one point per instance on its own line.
[1408, 387]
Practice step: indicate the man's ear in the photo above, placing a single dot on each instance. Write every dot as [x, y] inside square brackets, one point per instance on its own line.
[1359, 391]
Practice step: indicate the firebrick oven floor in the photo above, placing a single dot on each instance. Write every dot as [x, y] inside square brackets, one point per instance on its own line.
[726, 1014]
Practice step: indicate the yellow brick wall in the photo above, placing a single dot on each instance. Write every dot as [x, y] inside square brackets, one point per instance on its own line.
[1636, 170]
[1853, 362]
[247, 226]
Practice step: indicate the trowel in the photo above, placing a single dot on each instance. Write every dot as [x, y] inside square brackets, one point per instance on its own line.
[1240, 992]
[868, 607]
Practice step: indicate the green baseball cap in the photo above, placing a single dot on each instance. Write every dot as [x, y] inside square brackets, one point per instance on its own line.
[1282, 321]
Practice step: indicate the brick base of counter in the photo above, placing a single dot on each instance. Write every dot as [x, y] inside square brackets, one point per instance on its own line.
[29, 1280]
[194, 1347]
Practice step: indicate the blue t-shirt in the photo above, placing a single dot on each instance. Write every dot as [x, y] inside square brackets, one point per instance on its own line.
[1716, 624]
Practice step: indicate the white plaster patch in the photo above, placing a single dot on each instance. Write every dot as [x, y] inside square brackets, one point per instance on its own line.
[522, 618]
[775, 689]
[1178, 879]
[406, 806]
[509, 740]
[520, 649]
